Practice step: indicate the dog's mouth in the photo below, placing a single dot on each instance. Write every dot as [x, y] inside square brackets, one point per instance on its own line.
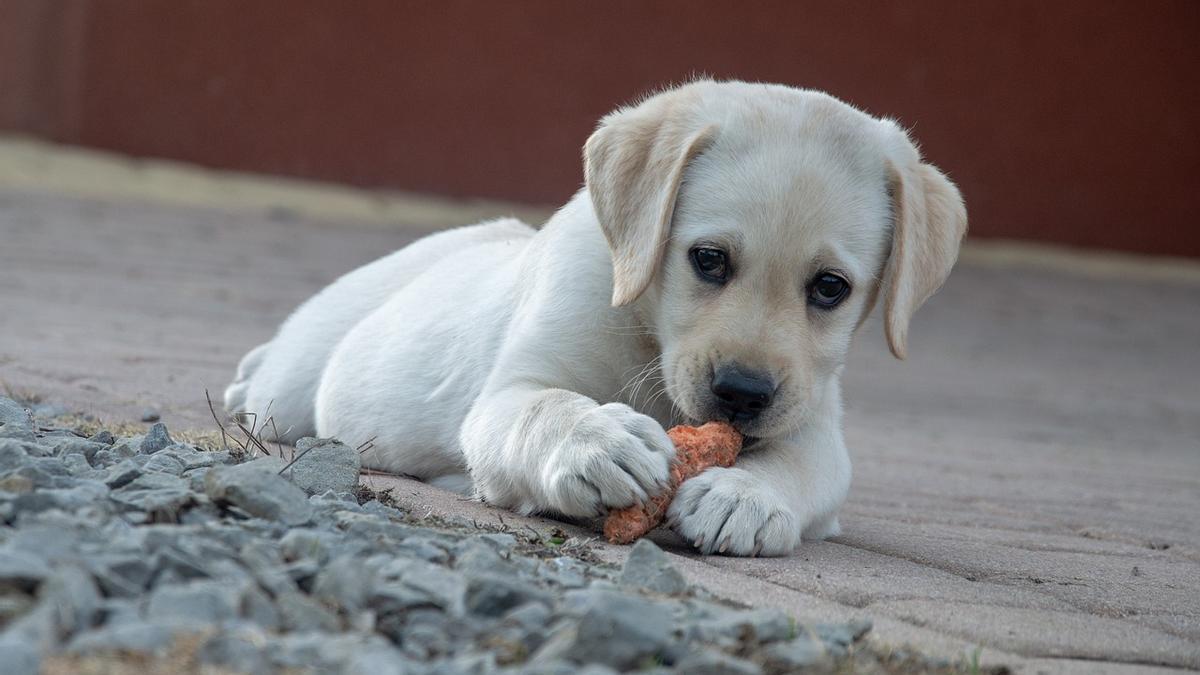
[750, 443]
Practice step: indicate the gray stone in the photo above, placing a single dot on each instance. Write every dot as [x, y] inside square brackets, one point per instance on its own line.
[79, 467]
[123, 575]
[259, 491]
[120, 475]
[201, 601]
[79, 446]
[491, 595]
[19, 656]
[86, 493]
[443, 587]
[22, 570]
[155, 439]
[144, 637]
[503, 543]
[192, 458]
[321, 652]
[159, 494]
[71, 599]
[163, 463]
[795, 654]
[150, 415]
[378, 508]
[615, 629]
[713, 662]
[17, 433]
[234, 651]
[476, 556]
[298, 612]
[346, 583]
[564, 571]
[13, 455]
[839, 636]
[363, 525]
[648, 568]
[422, 549]
[726, 628]
[377, 660]
[103, 436]
[13, 414]
[324, 464]
[309, 543]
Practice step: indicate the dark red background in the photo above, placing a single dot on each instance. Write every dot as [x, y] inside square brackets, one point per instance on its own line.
[1068, 121]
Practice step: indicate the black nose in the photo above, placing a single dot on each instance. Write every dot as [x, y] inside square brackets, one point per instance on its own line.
[740, 394]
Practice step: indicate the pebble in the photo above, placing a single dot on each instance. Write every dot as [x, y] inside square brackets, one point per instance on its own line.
[322, 465]
[648, 568]
[150, 415]
[120, 545]
[259, 491]
[155, 439]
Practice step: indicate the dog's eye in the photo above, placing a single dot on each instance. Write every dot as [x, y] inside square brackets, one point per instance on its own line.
[711, 263]
[828, 290]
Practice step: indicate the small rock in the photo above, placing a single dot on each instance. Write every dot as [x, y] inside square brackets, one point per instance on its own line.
[260, 491]
[79, 446]
[377, 660]
[145, 637]
[614, 629]
[19, 657]
[346, 583]
[492, 595]
[120, 475]
[159, 494]
[298, 612]
[234, 651]
[122, 575]
[22, 570]
[794, 654]
[838, 637]
[103, 436]
[155, 439]
[14, 414]
[71, 598]
[713, 662]
[164, 463]
[150, 415]
[200, 601]
[441, 586]
[648, 568]
[13, 455]
[325, 464]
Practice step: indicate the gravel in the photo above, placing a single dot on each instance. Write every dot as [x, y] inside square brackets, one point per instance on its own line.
[140, 547]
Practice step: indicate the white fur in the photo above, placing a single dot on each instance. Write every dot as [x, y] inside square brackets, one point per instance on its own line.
[523, 359]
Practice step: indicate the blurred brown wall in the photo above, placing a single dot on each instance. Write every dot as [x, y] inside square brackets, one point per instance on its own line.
[1069, 121]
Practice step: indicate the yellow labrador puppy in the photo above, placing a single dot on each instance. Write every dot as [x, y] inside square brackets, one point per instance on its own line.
[730, 239]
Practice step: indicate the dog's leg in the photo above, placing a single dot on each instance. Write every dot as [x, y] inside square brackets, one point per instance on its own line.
[534, 449]
[777, 492]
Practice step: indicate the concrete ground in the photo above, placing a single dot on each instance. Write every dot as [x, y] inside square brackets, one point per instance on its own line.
[1028, 481]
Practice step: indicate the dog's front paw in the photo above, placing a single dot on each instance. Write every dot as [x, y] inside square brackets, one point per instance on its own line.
[612, 458]
[730, 511]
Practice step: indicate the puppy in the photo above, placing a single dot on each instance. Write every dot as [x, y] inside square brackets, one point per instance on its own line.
[730, 239]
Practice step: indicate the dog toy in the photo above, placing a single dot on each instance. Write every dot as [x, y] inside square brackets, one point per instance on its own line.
[696, 449]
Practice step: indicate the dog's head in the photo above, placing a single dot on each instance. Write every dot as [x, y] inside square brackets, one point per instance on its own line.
[754, 226]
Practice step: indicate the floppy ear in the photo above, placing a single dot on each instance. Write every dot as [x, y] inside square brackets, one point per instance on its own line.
[633, 164]
[929, 222]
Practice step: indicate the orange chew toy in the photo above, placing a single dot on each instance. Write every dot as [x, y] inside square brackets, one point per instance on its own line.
[696, 449]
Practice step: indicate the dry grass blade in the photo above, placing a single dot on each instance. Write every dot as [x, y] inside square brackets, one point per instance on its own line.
[211, 409]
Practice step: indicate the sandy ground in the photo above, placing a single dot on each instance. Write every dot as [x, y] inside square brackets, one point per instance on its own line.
[1028, 481]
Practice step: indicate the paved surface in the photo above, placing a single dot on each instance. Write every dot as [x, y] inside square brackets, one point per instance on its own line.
[1028, 481]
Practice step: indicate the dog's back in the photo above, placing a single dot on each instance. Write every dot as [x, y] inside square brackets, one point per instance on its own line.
[279, 379]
